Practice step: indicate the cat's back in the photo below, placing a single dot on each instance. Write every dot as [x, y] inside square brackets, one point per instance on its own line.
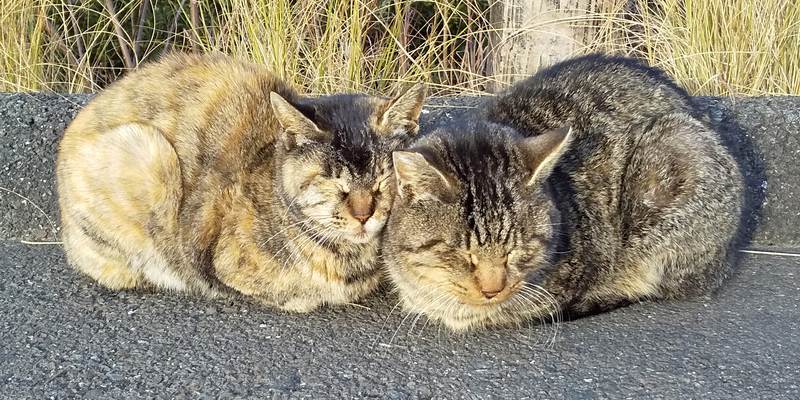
[166, 136]
[212, 110]
[595, 89]
[180, 93]
[605, 73]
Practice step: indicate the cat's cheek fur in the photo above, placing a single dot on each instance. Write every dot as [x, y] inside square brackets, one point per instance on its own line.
[297, 174]
[319, 201]
[421, 288]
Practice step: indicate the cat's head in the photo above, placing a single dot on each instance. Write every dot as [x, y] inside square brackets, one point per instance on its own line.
[335, 159]
[473, 222]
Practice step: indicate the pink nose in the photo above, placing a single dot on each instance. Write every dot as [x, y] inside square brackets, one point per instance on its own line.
[491, 276]
[362, 217]
[362, 206]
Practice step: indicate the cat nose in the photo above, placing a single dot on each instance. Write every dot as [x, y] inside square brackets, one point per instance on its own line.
[492, 279]
[362, 217]
[493, 286]
[361, 207]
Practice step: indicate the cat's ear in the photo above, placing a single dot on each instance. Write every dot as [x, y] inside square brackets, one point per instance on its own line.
[401, 115]
[542, 152]
[418, 179]
[297, 128]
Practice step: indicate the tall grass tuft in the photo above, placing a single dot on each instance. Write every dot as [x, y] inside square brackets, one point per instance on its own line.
[22, 47]
[364, 45]
[732, 47]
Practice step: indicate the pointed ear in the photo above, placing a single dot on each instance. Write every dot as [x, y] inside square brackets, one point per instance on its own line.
[542, 152]
[403, 112]
[417, 178]
[297, 128]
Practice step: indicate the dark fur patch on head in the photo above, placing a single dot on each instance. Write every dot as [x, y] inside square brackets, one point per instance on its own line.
[346, 117]
[480, 155]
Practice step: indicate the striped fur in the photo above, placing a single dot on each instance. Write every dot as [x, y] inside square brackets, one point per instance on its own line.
[592, 184]
[210, 175]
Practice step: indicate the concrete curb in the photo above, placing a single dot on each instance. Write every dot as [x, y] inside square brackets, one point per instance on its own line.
[762, 133]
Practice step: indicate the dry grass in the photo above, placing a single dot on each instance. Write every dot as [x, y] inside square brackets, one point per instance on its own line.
[736, 47]
[324, 46]
[21, 47]
[337, 45]
[732, 47]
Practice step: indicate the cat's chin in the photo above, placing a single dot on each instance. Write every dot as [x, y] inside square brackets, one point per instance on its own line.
[468, 317]
[459, 317]
[365, 234]
[361, 238]
[471, 315]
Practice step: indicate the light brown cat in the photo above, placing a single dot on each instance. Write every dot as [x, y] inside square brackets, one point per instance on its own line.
[209, 174]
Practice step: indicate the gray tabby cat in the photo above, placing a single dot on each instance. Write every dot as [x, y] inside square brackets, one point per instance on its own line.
[593, 184]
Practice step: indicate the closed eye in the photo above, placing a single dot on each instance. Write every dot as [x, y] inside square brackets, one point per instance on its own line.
[522, 259]
[382, 183]
[424, 246]
[341, 186]
[429, 244]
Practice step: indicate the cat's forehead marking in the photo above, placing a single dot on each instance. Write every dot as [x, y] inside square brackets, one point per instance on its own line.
[356, 145]
[484, 165]
[489, 222]
[485, 249]
[354, 141]
[355, 149]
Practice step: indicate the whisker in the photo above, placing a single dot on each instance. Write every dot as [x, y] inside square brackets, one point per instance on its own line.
[288, 242]
[556, 306]
[288, 209]
[535, 305]
[319, 243]
[398, 304]
[449, 302]
[448, 312]
[545, 299]
[443, 295]
[413, 310]
[260, 247]
[301, 247]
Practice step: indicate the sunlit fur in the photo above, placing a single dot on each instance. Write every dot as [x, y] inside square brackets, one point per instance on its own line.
[447, 238]
[208, 174]
[591, 185]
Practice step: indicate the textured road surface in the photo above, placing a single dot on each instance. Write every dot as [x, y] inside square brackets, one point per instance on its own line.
[62, 336]
[65, 337]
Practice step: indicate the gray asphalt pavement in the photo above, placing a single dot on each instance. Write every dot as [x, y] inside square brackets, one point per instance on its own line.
[62, 336]
[65, 337]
